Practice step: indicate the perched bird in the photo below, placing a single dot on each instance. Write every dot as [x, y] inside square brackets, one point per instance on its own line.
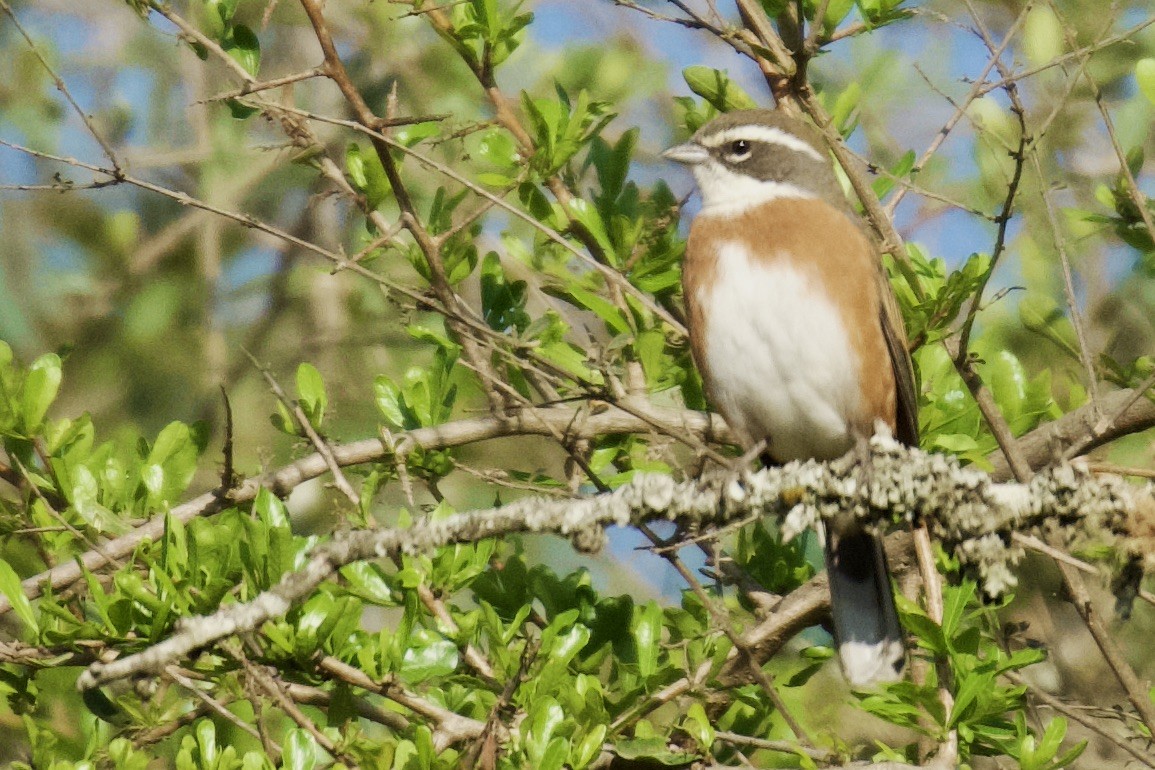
[798, 338]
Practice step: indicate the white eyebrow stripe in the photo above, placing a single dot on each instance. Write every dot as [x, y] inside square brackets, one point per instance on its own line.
[767, 134]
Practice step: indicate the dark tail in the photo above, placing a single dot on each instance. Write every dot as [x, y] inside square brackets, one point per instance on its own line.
[866, 628]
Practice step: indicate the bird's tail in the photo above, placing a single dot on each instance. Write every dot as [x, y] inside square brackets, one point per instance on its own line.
[866, 628]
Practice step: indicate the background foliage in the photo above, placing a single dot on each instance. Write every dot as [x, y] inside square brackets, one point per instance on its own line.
[461, 217]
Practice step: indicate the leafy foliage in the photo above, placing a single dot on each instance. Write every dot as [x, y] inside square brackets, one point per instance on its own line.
[500, 243]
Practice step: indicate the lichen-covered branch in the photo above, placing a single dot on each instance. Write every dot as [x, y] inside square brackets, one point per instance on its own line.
[968, 512]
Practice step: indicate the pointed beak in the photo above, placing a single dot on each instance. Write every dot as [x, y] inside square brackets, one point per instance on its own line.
[690, 154]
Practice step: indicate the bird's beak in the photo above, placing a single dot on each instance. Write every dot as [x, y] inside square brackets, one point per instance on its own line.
[690, 154]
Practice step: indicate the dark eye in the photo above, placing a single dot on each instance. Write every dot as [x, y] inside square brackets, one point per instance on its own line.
[739, 149]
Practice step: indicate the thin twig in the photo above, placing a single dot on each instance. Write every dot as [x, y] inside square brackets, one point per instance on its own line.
[1135, 690]
[62, 87]
[265, 85]
[960, 110]
[1049, 700]
[1069, 284]
[611, 275]
[306, 426]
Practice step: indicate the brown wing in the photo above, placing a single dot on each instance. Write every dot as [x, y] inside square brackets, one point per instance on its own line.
[906, 417]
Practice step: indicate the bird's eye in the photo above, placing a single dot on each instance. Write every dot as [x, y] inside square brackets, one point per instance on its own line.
[739, 149]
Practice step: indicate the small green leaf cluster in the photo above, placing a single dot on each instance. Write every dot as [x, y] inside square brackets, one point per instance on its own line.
[486, 32]
[311, 398]
[986, 711]
[83, 486]
[237, 39]
[949, 418]
[872, 13]
[1126, 218]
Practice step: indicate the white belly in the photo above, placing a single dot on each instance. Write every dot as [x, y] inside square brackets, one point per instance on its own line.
[778, 362]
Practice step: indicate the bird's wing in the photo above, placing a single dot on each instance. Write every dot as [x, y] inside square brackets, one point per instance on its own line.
[893, 329]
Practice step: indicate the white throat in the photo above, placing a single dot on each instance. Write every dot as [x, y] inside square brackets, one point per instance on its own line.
[725, 192]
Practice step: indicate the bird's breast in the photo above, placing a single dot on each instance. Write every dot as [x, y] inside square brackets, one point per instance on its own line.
[776, 355]
[784, 316]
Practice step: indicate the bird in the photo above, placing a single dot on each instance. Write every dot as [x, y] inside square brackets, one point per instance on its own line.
[798, 338]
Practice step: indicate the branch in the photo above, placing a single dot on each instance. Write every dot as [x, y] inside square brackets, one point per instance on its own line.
[1082, 429]
[1042, 446]
[965, 509]
[641, 417]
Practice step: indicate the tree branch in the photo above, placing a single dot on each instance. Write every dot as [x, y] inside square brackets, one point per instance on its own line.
[965, 509]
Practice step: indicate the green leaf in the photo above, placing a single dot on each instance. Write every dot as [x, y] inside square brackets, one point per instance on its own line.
[547, 715]
[40, 389]
[437, 658]
[555, 755]
[595, 303]
[311, 393]
[955, 602]
[647, 637]
[716, 87]
[416, 133]
[590, 747]
[367, 174]
[1042, 36]
[898, 171]
[225, 8]
[836, 11]
[169, 467]
[570, 643]
[846, 105]
[651, 349]
[387, 396]
[270, 509]
[11, 588]
[591, 219]
[299, 750]
[206, 741]
[244, 46]
[502, 300]
[239, 110]
[653, 749]
[284, 421]
[1145, 78]
[612, 163]
[367, 580]
[697, 725]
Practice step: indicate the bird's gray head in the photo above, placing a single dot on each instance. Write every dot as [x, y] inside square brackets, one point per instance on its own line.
[744, 158]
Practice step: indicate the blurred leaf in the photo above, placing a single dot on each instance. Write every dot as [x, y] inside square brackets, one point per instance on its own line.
[244, 46]
[1145, 77]
[413, 134]
[843, 114]
[367, 174]
[897, 173]
[12, 589]
[836, 11]
[716, 87]
[311, 394]
[299, 750]
[438, 657]
[1042, 35]
[40, 389]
